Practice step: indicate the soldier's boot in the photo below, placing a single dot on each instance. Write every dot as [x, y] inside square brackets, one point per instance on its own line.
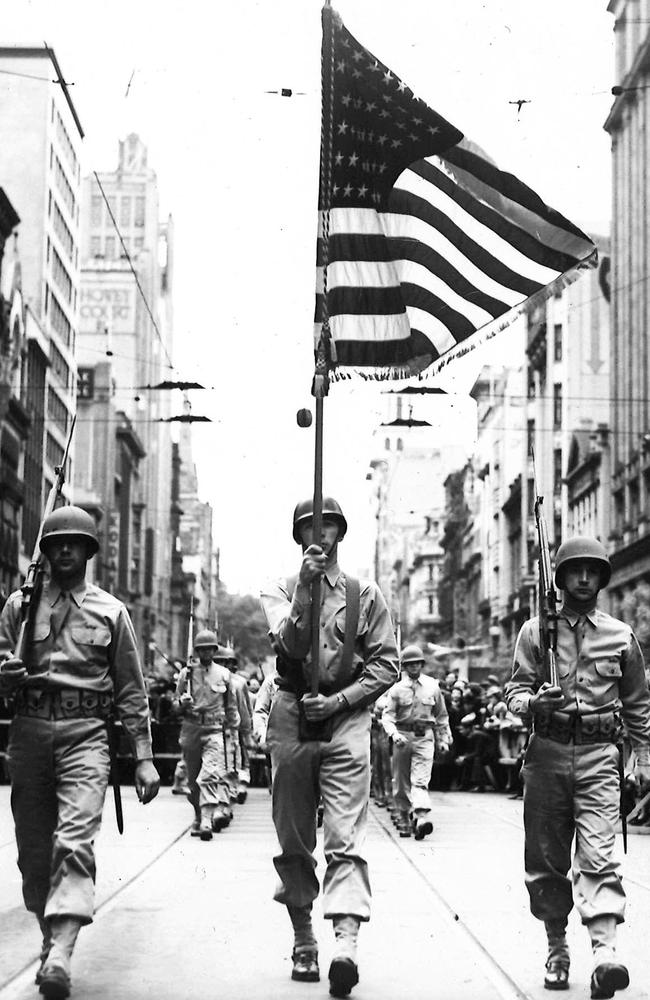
[55, 974]
[195, 829]
[344, 972]
[558, 960]
[609, 975]
[221, 817]
[179, 784]
[46, 931]
[304, 957]
[423, 825]
[205, 826]
[404, 823]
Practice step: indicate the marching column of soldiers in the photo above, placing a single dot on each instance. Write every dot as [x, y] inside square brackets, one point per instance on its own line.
[367, 716]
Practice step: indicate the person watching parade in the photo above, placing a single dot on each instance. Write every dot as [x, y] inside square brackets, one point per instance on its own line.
[571, 769]
[415, 718]
[319, 744]
[82, 662]
[206, 699]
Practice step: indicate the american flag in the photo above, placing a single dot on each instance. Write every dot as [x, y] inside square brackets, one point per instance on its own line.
[424, 240]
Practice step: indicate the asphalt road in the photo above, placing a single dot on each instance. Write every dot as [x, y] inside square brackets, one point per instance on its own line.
[179, 919]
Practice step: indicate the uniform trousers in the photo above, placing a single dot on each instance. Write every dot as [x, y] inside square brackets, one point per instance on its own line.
[204, 753]
[337, 771]
[382, 780]
[572, 790]
[59, 773]
[238, 761]
[412, 763]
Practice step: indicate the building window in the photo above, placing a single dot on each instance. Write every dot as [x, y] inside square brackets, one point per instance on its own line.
[138, 242]
[125, 211]
[557, 341]
[139, 211]
[530, 437]
[96, 210]
[125, 247]
[57, 411]
[109, 248]
[557, 406]
[557, 471]
[95, 246]
[53, 451]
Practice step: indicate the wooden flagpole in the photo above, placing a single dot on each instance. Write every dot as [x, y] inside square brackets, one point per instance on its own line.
[320, 385]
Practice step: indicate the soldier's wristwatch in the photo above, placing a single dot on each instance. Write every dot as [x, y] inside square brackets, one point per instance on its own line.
[342, 700]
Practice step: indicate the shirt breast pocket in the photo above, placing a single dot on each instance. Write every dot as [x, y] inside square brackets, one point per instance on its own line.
[339, 625]
[90, 635]
[607, 674]
[428, 700]
[218, 687]
[405, 698]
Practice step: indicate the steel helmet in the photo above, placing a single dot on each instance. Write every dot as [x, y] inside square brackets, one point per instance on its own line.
[412, 654]
[205, 638]
[305, 511]
[225, 654]
[69, 521]
[580, 548]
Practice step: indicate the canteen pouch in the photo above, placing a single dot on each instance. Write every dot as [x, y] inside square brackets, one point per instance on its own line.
[310, 731]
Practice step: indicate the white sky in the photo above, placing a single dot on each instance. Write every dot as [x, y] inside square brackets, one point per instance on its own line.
[237, 168]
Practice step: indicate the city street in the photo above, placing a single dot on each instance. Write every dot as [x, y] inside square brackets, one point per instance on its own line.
[178, 918]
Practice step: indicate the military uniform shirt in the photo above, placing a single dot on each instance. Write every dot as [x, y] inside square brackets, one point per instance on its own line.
[95, 650]
[374, 663]
[243, 698]
[600, 669]
[417, 700]
[211, 692]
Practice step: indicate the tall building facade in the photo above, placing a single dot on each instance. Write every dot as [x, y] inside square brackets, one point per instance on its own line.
[14, 419]
[630, 300]
[40, 170]
[126, 321]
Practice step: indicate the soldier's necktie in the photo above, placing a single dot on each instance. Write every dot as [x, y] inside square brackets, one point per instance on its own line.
[59, 613]
[580, 629]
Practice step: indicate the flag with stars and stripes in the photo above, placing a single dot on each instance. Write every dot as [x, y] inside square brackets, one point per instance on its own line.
[423, 242]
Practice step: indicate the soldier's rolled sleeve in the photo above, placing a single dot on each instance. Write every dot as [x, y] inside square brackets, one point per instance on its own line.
[129, 691]
[441, 727]
[381, 660]
[288, 618]
[525, 680]
[389, 715]
[634, 694]
[9, 626]
[232, 712]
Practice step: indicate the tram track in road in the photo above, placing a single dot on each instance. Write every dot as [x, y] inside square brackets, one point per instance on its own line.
[23, 976]
[505, 985]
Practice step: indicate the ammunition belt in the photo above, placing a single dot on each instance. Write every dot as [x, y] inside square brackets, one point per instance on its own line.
[568, 727]
[417, 728]
[204, 717]
[63, 703]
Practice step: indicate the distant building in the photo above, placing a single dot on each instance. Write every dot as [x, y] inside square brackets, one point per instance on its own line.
[14, 419]
[629, 384]
[126, 323]
[40, 145]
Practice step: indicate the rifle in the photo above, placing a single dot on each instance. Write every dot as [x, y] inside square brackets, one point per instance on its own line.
[547, 595]
[190, 648]
[33, 585]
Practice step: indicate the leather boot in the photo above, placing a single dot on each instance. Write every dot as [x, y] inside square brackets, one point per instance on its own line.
[608, 974]
[404, 824]
[55, 974]
[304, 956]
[221, 817]
[344, 973]
[422, 826]
[205, 827]
[557, 962]
[46, 931]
